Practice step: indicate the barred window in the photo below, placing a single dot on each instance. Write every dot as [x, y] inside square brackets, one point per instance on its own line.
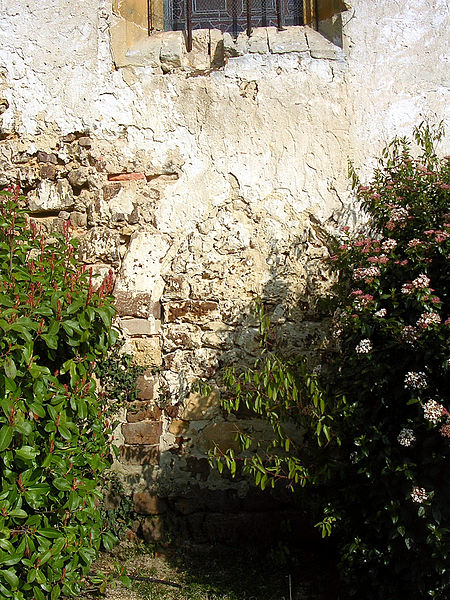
[239, 15]
[138, 18]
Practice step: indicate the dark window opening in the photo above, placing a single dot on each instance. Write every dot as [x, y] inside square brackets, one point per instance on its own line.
[233, 16]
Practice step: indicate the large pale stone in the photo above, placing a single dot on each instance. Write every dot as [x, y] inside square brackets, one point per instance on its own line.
[221, 435]
[173, 48]
[197, 406]
[216, 48]
[146, 51]
[292, 39]
[141, 267]
[147, 352]
[100, 242]
[199, 58]
[50, 196]
[321, 47]
[124, 35]
[257, 42]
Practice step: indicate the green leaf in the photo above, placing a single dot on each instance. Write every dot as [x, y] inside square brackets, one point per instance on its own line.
[18, 513]
[27, 453]
[62, 484]
[11, 577]
[6, 435]
[38, 594]
[10, 368]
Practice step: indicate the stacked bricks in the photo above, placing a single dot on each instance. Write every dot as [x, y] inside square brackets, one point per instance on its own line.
[140, 318]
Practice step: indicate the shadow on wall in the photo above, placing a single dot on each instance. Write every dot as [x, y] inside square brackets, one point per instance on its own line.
[176, 493]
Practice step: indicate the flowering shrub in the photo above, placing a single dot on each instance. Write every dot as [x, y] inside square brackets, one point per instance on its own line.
[393, 495]
[375, 419]
[53, 437]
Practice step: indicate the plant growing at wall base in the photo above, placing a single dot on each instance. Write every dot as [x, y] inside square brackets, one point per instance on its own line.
[281, 391]
[392, 492]
[387, 497]
[54, 327]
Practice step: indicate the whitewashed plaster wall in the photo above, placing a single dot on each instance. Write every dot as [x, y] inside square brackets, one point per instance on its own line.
[243, 169]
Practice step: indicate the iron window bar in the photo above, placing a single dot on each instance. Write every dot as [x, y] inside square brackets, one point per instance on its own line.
[234, 15]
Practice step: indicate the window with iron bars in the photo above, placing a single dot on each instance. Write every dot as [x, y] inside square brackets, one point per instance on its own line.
[234, 16]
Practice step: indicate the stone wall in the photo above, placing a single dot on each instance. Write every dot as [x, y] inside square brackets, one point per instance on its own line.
[205, 183]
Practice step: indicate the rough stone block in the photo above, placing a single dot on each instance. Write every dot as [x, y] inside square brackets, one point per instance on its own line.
[232, 48]
[197, 406]
[78, 177]
[321, 47]
[149, 504]
[172, 49]
[110, 190]
[191, 311]
[47, 172]
[181, 335]
[257, 42]
[152, 529]
[100, 243]
[178, 427]
[50, 196]
[136, 304]
[199, 58]
[147, 352]
[46, 157]
[140, 326]
[141, 411]
[139, 455]
[221, 435]
[216, 48]
[144, 432]
[78, 219]
[176, 288]
[146, 51]
[146, 384]
[292, 39]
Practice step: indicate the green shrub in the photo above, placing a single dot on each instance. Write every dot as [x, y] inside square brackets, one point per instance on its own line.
[54, 327]
[393, 492]
[384, 397]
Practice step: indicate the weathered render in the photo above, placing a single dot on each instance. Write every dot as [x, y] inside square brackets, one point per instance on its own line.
[205, 180]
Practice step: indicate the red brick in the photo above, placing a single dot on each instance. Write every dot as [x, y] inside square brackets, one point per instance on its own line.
[143, 432]
[139, 455]
[148, 504]
[190, 310]
[136, 304]
[141, 411]
[127, 177]
[145, 387]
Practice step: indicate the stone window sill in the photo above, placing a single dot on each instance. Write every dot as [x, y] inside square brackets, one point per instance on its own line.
[166, 51]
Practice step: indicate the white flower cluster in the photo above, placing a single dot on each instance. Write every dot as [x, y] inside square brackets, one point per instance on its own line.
[433, 411]
[399, 214]
[445, 430]
[416, 380]
[364, 346]
[419, 283]
[419, 495]
[406, 437]
[388, 245]
[363, 273]
[380, 313]
[409, 334]
[427, 319]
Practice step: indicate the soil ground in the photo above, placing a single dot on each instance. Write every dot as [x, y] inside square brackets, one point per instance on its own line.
[213, 573]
